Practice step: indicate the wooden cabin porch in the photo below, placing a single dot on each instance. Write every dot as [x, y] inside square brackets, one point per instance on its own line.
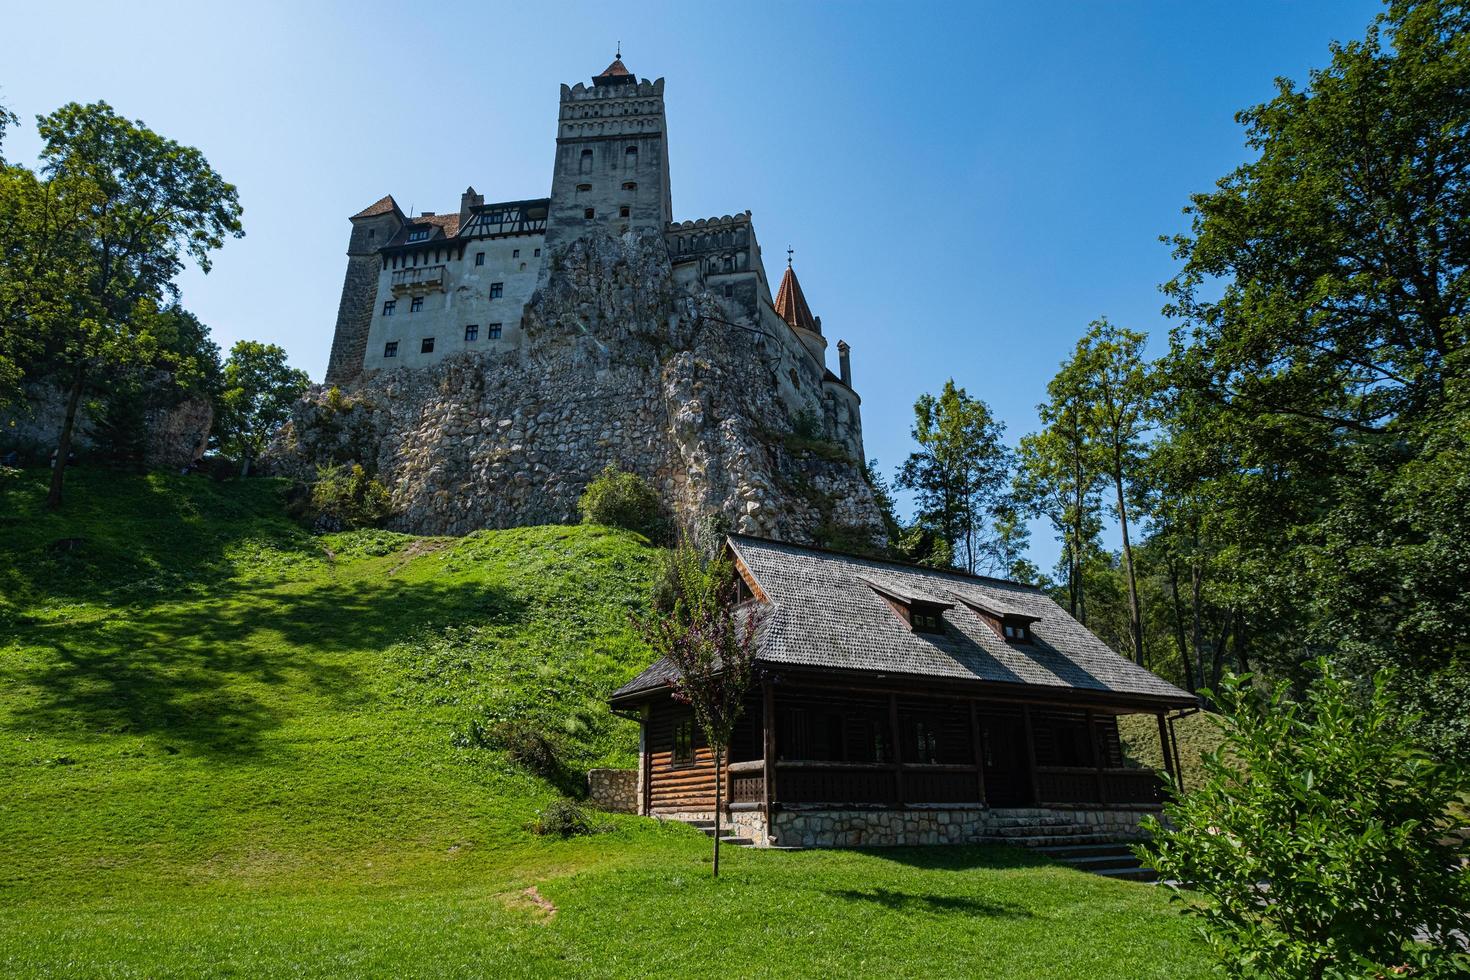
[813, 745]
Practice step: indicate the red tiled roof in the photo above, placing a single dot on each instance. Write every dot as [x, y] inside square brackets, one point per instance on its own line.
[617, 68]
[791, 304]
[449, 222]
[381, 206]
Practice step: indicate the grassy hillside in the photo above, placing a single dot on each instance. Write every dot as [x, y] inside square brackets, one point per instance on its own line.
[233, 748]
[1196, 734]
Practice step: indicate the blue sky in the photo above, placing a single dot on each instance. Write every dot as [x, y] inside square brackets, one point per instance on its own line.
[965, 185]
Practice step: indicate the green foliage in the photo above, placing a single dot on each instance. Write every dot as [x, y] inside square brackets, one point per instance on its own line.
[345, 497]
[1317, 839]
[960, 476]
[527, 746]
[564, 818]
[625, 500]
[258, 390]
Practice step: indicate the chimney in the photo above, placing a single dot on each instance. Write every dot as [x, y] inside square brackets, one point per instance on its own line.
[469, 199]
[844, 362]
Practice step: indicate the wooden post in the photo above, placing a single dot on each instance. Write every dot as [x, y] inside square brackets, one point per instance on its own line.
[1096, 756]
[1164, 745]
[897, 749]
[1174, 745]
[979, 748]
[1031, 755]
[646, 763]
[768, 748]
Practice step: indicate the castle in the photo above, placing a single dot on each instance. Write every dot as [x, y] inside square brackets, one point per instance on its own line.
[502, 353]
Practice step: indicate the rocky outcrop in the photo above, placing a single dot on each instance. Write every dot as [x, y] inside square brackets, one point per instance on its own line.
[621, 366]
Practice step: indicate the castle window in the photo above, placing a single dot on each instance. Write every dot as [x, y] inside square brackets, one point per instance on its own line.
[418, 236]
[472, 332]
[630, 185]
[583, 189]
[523, 267]
[389, 305]
[426, 346]
[630, 158]
[515, 254]
[493, 331]
[497, 290]
[536, 254]
[623, 211]
[729, 290]
[390, 349]
[729, 264]
[479, 258]
[590, 213]
[372, 233]
[585, 164]
[416, 304]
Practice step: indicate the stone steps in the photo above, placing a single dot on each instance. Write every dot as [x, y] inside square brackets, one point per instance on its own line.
[1083, 846]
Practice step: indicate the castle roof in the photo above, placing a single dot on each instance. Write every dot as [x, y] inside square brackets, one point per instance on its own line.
[382, 205]
[616, 73]
[791, 304]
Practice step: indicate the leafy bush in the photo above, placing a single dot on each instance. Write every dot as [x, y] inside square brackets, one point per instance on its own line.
[564, 818]
[345, 498]
[525, 744]
[623, 500]
[1319, 839]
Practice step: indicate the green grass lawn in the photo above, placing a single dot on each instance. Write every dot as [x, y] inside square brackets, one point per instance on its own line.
[230, 748]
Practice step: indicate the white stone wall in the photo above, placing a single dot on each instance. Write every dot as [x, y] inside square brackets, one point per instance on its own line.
[615, 790]
[465, 299]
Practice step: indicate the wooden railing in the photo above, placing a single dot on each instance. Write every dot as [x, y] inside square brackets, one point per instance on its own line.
[1084, 784]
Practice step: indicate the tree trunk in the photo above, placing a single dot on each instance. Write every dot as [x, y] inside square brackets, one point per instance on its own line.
[719, 802]
[1186, 658]
[1197, 638]
[1133, 611]
[244, 465]
[1219, 670]
[63, 447]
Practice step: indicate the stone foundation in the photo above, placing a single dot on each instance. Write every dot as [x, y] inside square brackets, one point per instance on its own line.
[614, 790]
[913, 825]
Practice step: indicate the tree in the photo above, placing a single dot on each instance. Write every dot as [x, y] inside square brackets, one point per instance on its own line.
[1318, 838]
[625, 500]
[711, 641]
[1115, 388]
[1324, 308]
[116, 211]
[960, 474]
[259, 388]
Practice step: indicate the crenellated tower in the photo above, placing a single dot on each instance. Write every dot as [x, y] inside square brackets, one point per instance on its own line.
[612, 158]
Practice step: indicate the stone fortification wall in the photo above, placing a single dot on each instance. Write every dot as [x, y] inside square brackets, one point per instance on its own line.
[621, 365]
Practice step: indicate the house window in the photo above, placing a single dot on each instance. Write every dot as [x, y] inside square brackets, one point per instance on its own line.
[389, 305]
[515, 254]
[390, 349]
[493, 331]
[426, 346]
[497, 290]
[536, 254]
[416, 304]
[623, 211]
[1018, 632]
[590, 213]
[684, 743]
[479, 258]
[418, 236]
[926, 622]
[472, 332]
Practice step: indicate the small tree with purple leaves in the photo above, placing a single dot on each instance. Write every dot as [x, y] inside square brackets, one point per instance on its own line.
[710, 637]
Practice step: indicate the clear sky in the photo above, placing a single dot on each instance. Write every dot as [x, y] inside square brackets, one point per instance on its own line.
[965, 185]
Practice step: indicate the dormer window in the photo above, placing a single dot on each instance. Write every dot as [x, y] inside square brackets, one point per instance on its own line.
[420, 235]
[1009, 620]
[921, 613]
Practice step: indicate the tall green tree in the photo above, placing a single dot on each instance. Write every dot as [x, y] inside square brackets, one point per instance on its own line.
[119, 210]
[1116, 391]
[960, 475]
[258, 389]
[1324, 306]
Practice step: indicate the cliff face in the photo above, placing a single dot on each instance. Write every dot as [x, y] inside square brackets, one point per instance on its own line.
[622, 365]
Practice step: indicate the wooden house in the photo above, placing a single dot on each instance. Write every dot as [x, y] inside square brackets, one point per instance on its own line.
[903, 704]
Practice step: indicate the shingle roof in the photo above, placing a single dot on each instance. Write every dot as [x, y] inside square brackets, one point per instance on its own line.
[791, 304]
[616, 69]
[382, 205]
[823, 614]
[447, 223]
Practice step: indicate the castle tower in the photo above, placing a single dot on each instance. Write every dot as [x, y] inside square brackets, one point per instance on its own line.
[372, 227]
[612, 158]
[791, 306]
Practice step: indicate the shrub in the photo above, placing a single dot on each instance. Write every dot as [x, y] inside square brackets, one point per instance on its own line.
[346, 498]
[564, 818]
[525, 744]
[1319, 839]
[623, 500]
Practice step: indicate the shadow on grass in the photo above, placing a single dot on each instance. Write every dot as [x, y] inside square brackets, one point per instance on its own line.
[194, 673]
[940, 904]
[960, 857]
